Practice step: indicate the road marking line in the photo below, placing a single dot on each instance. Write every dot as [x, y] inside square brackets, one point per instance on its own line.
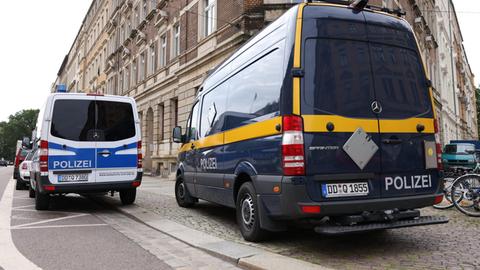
[11, 258]
[49, 220]
[60, 226]
[23, 206]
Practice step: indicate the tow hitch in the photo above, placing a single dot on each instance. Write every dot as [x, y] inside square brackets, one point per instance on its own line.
[372, 221]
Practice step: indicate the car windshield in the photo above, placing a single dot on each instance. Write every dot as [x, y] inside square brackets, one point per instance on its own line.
[459, 149]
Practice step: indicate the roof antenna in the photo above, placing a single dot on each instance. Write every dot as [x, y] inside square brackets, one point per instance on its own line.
[358, 5]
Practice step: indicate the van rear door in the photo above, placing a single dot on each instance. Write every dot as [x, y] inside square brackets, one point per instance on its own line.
[406, 117]
[71, 145]
[117, 136]
[337, 98]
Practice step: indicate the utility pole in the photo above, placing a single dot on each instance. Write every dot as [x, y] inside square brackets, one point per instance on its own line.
[453, 68]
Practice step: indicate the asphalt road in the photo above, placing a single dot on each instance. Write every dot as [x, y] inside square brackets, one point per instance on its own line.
[77, 233]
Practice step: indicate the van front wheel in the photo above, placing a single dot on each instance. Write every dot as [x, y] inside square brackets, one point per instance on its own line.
[247, 214]
[128, 196]
[183, 197]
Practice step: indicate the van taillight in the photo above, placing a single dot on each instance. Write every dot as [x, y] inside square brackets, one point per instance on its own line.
[139, 155]
[293, 155]
[43, 156]
[438, 146]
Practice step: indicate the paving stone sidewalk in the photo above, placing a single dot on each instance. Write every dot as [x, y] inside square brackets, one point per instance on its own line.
[454, 245]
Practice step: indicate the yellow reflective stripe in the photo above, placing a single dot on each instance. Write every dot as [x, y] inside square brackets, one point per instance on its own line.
[406, 125]
[297, 60]
[255, 130]
[252, 131]
[318, 123]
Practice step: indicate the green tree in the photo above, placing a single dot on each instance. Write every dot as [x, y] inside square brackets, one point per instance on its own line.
[19, 125]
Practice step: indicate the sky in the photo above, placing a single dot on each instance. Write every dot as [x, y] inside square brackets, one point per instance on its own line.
[36, 35]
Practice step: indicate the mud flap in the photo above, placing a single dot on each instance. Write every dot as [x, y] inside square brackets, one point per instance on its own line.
[266, 222]
[345, 229]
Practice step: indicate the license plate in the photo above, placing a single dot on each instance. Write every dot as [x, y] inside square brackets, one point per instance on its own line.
[345, 190]
[73, 177]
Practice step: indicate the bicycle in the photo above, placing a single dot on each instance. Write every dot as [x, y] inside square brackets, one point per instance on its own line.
[468, 188]
[449, 178]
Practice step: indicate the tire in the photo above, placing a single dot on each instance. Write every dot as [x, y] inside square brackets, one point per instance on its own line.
[31, 192]
[128, 196]
[18, 185]
[183, 197]
[42, 201]
[247, 217]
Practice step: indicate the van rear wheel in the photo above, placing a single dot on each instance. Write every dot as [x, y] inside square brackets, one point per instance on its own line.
[42, 201]
[183, 197]
[247, 214]
[128, 196]
[31, 192]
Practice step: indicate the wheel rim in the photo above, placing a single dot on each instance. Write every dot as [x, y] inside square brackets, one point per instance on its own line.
[469, 188]
[181, 191]
[248, 211]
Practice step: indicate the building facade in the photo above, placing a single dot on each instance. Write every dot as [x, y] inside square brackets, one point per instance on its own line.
[160, 51]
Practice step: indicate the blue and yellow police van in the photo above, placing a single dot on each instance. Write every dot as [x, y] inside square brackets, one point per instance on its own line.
[325, 116]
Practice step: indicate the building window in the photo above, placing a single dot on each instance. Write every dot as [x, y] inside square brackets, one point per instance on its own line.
[210, 16]
[161, 122]
[134, 73]
[163, 51]
[176, 40]
[144, 9]
[126, 79]
[136, 13]
[141, 67]
[152, 62]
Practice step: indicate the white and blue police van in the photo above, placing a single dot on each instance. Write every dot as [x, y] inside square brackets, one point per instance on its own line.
[86, 143]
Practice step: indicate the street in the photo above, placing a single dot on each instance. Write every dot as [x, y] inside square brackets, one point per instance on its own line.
[77, 233]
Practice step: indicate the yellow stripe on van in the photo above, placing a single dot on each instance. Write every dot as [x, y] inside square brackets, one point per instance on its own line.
[297, 62]
[318, 123]
[255, 130]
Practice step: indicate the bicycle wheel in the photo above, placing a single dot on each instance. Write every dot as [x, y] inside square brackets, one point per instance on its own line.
[469, 187]
[447, 198]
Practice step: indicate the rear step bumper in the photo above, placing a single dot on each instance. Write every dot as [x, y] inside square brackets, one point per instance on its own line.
[420, 221]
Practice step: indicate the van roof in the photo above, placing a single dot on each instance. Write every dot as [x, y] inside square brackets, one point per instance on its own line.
[89, 95]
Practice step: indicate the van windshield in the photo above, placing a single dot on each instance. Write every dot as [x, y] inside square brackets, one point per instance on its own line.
[90, 120]
[343, 77]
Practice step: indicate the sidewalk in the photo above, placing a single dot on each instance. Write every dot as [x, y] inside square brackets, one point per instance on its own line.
[243, 255]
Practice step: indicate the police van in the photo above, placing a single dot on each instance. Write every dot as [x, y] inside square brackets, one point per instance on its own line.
[86, 143]
[326, 116]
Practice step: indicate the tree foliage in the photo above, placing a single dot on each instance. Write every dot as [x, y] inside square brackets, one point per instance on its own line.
[19, 125]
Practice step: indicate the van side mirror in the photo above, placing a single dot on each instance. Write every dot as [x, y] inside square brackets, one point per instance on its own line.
[26, 143]
[177, 135]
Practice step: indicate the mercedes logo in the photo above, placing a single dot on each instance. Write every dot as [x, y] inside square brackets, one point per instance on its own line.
[376, 107]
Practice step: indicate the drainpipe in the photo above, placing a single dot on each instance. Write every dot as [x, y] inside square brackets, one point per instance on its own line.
[453, 68]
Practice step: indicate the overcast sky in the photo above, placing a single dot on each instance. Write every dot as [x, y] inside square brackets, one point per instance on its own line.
[36, 35]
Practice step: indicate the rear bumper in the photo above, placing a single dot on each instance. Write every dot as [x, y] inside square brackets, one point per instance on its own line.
[287, 205]
[87, 188]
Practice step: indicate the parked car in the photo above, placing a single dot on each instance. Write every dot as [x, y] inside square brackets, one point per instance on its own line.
[459, 156]
[3, 163]
[86, 143]
[24, 181]
[19, 158]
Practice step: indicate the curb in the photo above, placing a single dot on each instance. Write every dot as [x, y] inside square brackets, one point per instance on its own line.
[241, 255]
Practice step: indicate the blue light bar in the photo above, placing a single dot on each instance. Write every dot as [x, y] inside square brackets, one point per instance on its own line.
[61, 88]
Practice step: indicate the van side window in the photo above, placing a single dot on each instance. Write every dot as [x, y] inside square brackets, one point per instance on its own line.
[213, 111]
[254, 92]
[192, 124]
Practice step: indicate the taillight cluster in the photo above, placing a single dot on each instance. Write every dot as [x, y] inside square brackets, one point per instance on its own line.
[139, 156]
[293, 154]
[43, 157]
[438, 145]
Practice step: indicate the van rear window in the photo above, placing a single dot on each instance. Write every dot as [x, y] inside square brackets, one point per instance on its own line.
[89, 120]
[343, 77]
